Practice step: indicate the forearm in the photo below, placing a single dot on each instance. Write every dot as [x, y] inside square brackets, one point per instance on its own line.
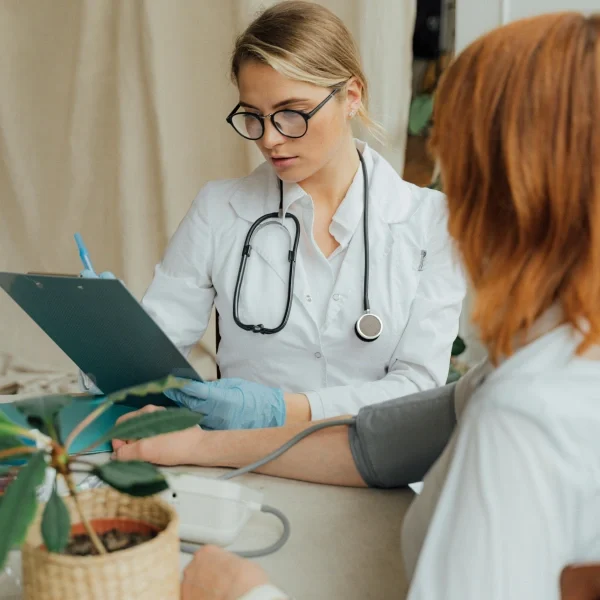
[323, 457]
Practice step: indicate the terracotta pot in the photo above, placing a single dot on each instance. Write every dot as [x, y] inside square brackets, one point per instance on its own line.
[149, 570]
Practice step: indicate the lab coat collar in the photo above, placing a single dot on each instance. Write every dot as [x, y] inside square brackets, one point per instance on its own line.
[391, 198]
[258, 194]
[349, 213]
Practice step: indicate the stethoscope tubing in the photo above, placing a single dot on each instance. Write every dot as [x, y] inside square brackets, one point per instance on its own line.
[292, 254]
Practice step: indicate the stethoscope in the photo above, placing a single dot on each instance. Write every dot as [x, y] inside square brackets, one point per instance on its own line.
[368, 327]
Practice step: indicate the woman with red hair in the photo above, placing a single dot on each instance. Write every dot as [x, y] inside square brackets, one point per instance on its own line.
[514, 496]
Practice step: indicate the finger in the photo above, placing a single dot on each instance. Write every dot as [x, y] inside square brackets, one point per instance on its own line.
[208, 567]
[128, 416]
[208, 391]
[149, 408]
[190, 401]
[197, 389]
[218, 394]
[134, 451]
[116, 444]
[176, 396]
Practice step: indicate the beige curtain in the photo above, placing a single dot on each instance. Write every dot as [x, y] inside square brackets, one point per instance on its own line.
[112, 117]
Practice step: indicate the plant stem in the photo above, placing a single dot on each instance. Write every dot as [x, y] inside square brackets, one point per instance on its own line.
[91, 417]
[73, 491]
[17, 451]
[77, 459]
[31, 434]
[53, 432]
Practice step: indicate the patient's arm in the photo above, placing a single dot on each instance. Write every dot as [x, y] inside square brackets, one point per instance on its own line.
[390, 445]
[323, 457]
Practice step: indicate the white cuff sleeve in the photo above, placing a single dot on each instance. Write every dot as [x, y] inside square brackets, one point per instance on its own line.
[317, 410]
[265, 592]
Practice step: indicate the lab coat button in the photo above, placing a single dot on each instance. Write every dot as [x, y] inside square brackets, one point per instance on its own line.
[308, 298]
[336, 297]
[318, 355]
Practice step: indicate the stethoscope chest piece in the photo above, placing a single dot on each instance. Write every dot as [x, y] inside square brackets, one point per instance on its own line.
[369, 327]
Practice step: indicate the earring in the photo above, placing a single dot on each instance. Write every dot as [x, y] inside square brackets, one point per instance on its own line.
[352, 112]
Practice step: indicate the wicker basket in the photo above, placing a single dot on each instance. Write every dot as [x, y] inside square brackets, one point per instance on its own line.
[149, 571]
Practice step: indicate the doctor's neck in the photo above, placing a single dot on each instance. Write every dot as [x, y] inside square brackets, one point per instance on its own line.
[329, 185]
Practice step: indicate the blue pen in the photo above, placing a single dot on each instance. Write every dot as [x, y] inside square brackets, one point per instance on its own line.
[83, 253]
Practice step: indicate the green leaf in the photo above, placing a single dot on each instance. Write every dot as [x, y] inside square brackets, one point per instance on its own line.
[453, 375]
[150, 424]
[9, 429]
[16, 457]
[19, 504]
[134, 477]
[7, 442]
[10, 442]
[6, 469]
[152, 387]
[42, 412]
[4, 419]
[458, 347]
[56, 524]
[421, 110]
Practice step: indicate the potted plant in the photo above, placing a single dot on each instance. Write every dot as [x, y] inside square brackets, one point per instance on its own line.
[117, 542]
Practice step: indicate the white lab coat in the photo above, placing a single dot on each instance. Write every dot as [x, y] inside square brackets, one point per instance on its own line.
[418, 300]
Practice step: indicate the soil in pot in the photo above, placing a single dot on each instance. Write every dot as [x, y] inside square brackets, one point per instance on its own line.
[115, 534]
[113, 540]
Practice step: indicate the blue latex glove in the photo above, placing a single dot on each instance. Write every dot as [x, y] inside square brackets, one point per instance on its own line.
[232, 403]
[92, 275]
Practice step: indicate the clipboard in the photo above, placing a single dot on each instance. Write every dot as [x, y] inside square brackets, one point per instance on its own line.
[102, 328]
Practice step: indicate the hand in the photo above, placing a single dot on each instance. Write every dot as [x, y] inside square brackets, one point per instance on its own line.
[169, 449]
[87, 274]
[232, 403]
[215, 574]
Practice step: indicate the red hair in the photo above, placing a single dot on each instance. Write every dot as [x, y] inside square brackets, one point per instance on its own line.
[517, 134]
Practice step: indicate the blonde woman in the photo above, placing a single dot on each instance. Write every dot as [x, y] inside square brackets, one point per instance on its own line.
[514, 497]
[366, 308]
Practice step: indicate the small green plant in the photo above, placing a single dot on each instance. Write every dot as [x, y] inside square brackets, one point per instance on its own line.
[36, 450]
[457, 368]
[419, 117]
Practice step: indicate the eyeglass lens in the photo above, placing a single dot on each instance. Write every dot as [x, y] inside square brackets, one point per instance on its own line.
[288, 122]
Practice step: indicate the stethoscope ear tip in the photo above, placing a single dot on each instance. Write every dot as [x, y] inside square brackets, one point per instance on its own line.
[368, 327]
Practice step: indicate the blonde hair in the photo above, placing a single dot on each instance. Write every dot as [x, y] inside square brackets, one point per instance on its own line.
[306, 42]
[517, 132]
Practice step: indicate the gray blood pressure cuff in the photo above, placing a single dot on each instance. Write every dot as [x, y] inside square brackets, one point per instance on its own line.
[396, 442]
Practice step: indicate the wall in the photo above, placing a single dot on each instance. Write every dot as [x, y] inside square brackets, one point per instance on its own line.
[475, 17]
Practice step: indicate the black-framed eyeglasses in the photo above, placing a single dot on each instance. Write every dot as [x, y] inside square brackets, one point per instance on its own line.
[290, 123]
